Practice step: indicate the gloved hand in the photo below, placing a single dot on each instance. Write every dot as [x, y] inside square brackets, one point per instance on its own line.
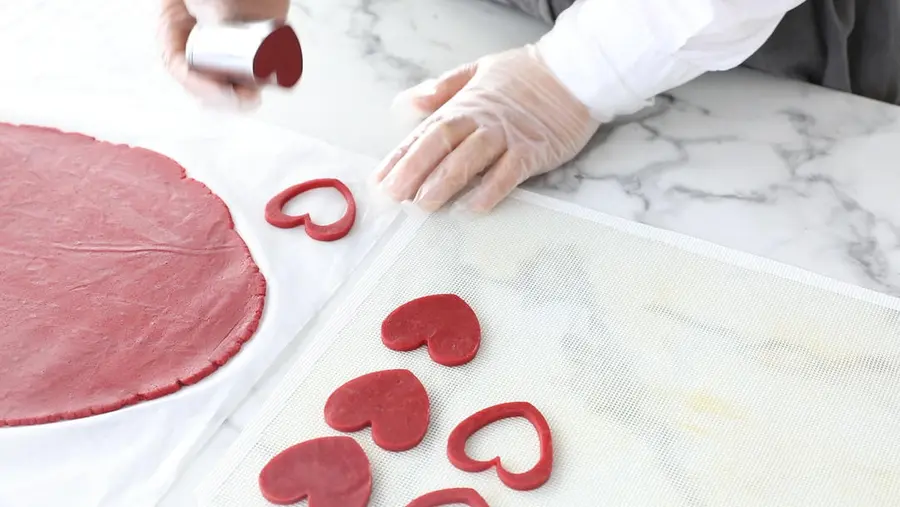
[505, 115]
[177, 19]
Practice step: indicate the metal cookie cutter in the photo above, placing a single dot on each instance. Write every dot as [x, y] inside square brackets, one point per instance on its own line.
[260, 53]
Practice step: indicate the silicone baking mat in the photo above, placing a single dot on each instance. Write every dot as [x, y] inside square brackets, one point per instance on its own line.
[672, 372]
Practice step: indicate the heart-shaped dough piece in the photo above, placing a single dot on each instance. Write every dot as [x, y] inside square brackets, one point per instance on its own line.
[393, 402]
[280, 55]
[443, 322]
[329, 472]
[532, 479]
[466, 496]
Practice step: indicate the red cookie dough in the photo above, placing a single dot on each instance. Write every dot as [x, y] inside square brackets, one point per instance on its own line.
[280, 54]
[466, 496]
[122, 280]
[444, 322]
[393, 402]
[532, 479]
[331, 232]
[329, 472]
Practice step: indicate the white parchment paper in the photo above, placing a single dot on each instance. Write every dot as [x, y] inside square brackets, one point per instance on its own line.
[130, 456]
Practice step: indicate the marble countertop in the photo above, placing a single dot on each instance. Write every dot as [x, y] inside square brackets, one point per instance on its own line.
[780, 169]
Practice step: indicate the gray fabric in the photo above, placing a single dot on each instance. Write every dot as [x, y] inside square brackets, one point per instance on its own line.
[548, 10]
[847, 45]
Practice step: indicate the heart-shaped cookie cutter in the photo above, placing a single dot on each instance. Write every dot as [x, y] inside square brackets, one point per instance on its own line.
[258, 52]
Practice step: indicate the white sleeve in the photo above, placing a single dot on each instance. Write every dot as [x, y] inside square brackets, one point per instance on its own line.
[616, 55]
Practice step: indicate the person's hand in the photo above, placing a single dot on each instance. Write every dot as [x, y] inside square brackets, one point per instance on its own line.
[506, 116]
[178, 18]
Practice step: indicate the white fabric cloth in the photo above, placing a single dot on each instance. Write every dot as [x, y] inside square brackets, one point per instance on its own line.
[615, 56]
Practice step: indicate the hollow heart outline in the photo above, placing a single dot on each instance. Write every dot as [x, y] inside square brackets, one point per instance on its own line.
[444, 323]
[467, 496]
[281, 55]
[347, 408]
[526, 481]
[285, 480]
[276, 216]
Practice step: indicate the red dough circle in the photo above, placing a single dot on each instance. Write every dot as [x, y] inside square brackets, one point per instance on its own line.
[532, 479]
[466, 496]
[331, 232]
[393, 402]
[329, 472]
[122, 280]
[444, 322]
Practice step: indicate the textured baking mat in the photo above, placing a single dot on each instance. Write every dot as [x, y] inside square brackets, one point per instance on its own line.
[673, 372]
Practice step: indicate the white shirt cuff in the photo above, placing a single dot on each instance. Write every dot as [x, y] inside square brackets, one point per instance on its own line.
[617, 55]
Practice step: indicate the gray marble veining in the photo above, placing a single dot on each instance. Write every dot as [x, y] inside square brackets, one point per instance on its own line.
[784, 175]
[779, 169]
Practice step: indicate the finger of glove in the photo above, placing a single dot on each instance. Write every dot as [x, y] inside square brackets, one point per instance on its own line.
[212, 91]
[238, 10]
[390, 161]
[428, 96]
[476, 153]
[438, 140]
[499, 181]
[175, 27]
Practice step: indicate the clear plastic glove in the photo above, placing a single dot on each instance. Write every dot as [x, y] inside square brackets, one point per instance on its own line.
[505, 116]
[178, 18]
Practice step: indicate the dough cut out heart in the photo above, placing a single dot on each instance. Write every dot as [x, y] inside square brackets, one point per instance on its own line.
[393, 402]
[328, 472]
[466, 496]
[526, 481]
[331, 232]
[281, 56]
[443, 322]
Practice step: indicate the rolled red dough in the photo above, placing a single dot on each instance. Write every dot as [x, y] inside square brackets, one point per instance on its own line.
[122, 280]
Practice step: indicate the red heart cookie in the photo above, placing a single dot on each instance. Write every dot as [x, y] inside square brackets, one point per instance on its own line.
[532, 479]
[466, 496]
[331, 232]
[329, 472]
[280, 55]
[393, 402]
[444, 322]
